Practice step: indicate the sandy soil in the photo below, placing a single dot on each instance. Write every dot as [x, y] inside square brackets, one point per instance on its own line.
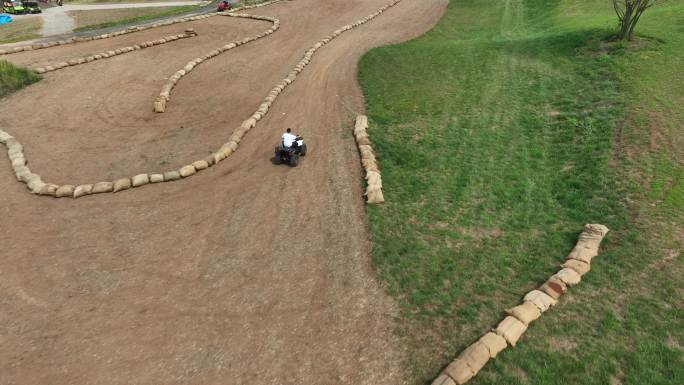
[245, 273]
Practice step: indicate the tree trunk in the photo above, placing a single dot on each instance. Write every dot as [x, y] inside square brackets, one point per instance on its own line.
[629, 12]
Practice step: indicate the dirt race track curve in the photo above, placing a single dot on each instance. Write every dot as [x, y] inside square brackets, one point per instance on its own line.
[245, 273]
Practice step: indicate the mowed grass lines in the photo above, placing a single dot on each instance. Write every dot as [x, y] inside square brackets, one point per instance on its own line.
[501, 133]
[14, 78]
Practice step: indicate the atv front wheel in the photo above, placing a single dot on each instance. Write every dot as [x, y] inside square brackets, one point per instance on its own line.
[303, 150]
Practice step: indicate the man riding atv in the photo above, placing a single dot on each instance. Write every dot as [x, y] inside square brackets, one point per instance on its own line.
[224, 5]
[290, 149]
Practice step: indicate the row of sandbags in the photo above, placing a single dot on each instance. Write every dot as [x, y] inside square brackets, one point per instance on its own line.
[368, 160]
[536, 302]
[34, 182]
[128, 30]
[37, 186]
[165, 94]
[190, 32]
[234, 140]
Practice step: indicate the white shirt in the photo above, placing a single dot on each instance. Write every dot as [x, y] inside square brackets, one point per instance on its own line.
[288, 139]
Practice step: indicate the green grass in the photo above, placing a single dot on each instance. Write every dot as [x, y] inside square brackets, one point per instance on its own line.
[20, 30]
[501, 133]
[13, 78]
[149, 15]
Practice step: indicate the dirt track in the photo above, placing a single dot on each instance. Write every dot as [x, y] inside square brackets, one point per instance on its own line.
[245, 273]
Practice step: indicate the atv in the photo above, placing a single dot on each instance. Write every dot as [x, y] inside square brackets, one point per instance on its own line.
[224, 5]
[290, 155]
[31, 7]
[13, 7]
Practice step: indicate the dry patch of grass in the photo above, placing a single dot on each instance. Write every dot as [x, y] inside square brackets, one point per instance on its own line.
[20, 29]
[87, 20]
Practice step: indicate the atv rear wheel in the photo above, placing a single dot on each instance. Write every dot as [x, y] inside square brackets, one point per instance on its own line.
[294, 160]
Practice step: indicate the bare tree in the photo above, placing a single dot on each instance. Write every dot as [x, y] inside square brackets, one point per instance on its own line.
[629, 12]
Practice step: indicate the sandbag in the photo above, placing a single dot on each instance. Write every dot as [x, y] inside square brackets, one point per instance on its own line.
[580, 267]
[375, 196]
[171, 176]
[35, 185]
[443, 379]
[554, 287]
[49, 189]
[459, 371]
[18, 161]
[121, 184]
[31, 177]
[156, 178]
[366, 149]
[226, 151]
[22, 173]
[375, 184]
[4, 136]
[200, 165]
[373, 178]
[525, 312]
[15, 151]
[475, 356]
[360, 133]
[237, 135]
[219, 156]
[494, 343]
[82, 190]
[361, 121]
[364, 141]
[160, 105]
[187, 171]
[366, 153]
[140, 180]
[103, 187]
[248, 124]
[65, 191]
[569, 276]
[231, 145]
[540, 299]
[588, 243]
[369, 164]
[511, 329]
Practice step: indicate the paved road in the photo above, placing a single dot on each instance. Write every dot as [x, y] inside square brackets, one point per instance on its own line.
[56, 20]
